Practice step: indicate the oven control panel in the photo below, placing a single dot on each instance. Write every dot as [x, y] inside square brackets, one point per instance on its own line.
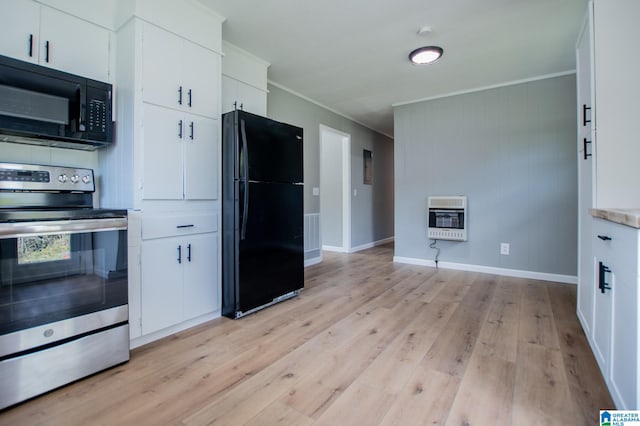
[32, 177]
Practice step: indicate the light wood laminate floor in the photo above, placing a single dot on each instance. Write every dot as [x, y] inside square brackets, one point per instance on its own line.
[367, 342]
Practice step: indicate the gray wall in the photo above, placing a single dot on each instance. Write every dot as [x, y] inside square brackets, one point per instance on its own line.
[512, 151]
[372, 209]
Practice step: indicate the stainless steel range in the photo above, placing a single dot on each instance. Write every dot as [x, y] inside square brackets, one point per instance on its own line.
[63, 280]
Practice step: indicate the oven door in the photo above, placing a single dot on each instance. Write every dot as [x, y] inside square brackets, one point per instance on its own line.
[53, 271]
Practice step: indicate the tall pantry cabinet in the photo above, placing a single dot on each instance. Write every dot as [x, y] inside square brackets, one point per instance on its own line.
[586, 168]
[608, 150]
[165, 162]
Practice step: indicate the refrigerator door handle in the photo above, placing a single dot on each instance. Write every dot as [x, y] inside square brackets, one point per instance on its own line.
[245, 207]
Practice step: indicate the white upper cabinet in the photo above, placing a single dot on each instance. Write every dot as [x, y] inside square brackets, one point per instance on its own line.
[244, 81]
[20, 31]
[616, 68]
[200, 158]
[46, 36]
[162, 159]
[162, 67]
[201, 73]
[236, 94]
[179, 74]
[180, 90]
[180, 155]
[73, 45]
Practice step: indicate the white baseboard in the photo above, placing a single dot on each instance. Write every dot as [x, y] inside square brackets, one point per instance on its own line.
[335, 249]
[312, 261]
[370, 245]
[358, 248]
[543, 276]
[157, 335]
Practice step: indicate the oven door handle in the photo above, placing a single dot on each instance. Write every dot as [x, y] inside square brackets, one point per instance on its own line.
[48, 227]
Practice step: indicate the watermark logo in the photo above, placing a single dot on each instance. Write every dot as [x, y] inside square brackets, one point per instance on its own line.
[619, 418]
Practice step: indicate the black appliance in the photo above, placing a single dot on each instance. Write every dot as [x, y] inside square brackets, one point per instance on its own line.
[63, 280]
[262, 213]
[43, 106]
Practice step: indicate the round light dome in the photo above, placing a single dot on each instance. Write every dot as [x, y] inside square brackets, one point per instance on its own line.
[425, 55]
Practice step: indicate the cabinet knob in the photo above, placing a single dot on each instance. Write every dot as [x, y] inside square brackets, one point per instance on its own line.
[604, 237]
[180, 95]
[31, 45]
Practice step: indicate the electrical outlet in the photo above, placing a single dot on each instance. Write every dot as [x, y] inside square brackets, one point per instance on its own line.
[504, 249]
[316, 191]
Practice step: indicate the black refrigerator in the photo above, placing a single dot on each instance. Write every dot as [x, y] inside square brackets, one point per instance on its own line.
[262, 213]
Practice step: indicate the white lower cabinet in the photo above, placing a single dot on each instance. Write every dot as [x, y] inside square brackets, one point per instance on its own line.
[179, 274]
[200, 289]
[615, 338]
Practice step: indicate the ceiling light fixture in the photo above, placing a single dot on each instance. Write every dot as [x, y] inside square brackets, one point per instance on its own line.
[425, 55]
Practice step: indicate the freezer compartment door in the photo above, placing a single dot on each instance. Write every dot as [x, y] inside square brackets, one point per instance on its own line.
[272, 150]
[271, 255]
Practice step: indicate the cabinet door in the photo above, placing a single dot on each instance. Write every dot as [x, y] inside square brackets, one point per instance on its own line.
[585, 178]
[201, 158]
[602, 314]
[74, 45]
[624, 341]
[229, 94]
[586, 275]
[201, 76]
[201, 275]
[253, 100]
[162, 154]
[162, 293]
[20, 30]
[161, 68]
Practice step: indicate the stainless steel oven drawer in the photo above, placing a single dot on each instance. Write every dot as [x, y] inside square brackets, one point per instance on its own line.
[26, 376]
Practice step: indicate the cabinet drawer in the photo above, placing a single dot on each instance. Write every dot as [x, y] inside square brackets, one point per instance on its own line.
[171, 225]
[621, 251]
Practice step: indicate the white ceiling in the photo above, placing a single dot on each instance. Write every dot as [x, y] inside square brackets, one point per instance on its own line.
[351, 55]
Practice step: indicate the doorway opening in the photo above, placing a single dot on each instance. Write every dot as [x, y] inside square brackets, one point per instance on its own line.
[335, 190]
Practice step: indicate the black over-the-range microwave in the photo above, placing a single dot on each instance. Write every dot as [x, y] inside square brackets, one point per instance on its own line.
[43, 106]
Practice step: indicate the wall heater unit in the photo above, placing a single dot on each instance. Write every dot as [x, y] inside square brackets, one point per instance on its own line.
[447, 218]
